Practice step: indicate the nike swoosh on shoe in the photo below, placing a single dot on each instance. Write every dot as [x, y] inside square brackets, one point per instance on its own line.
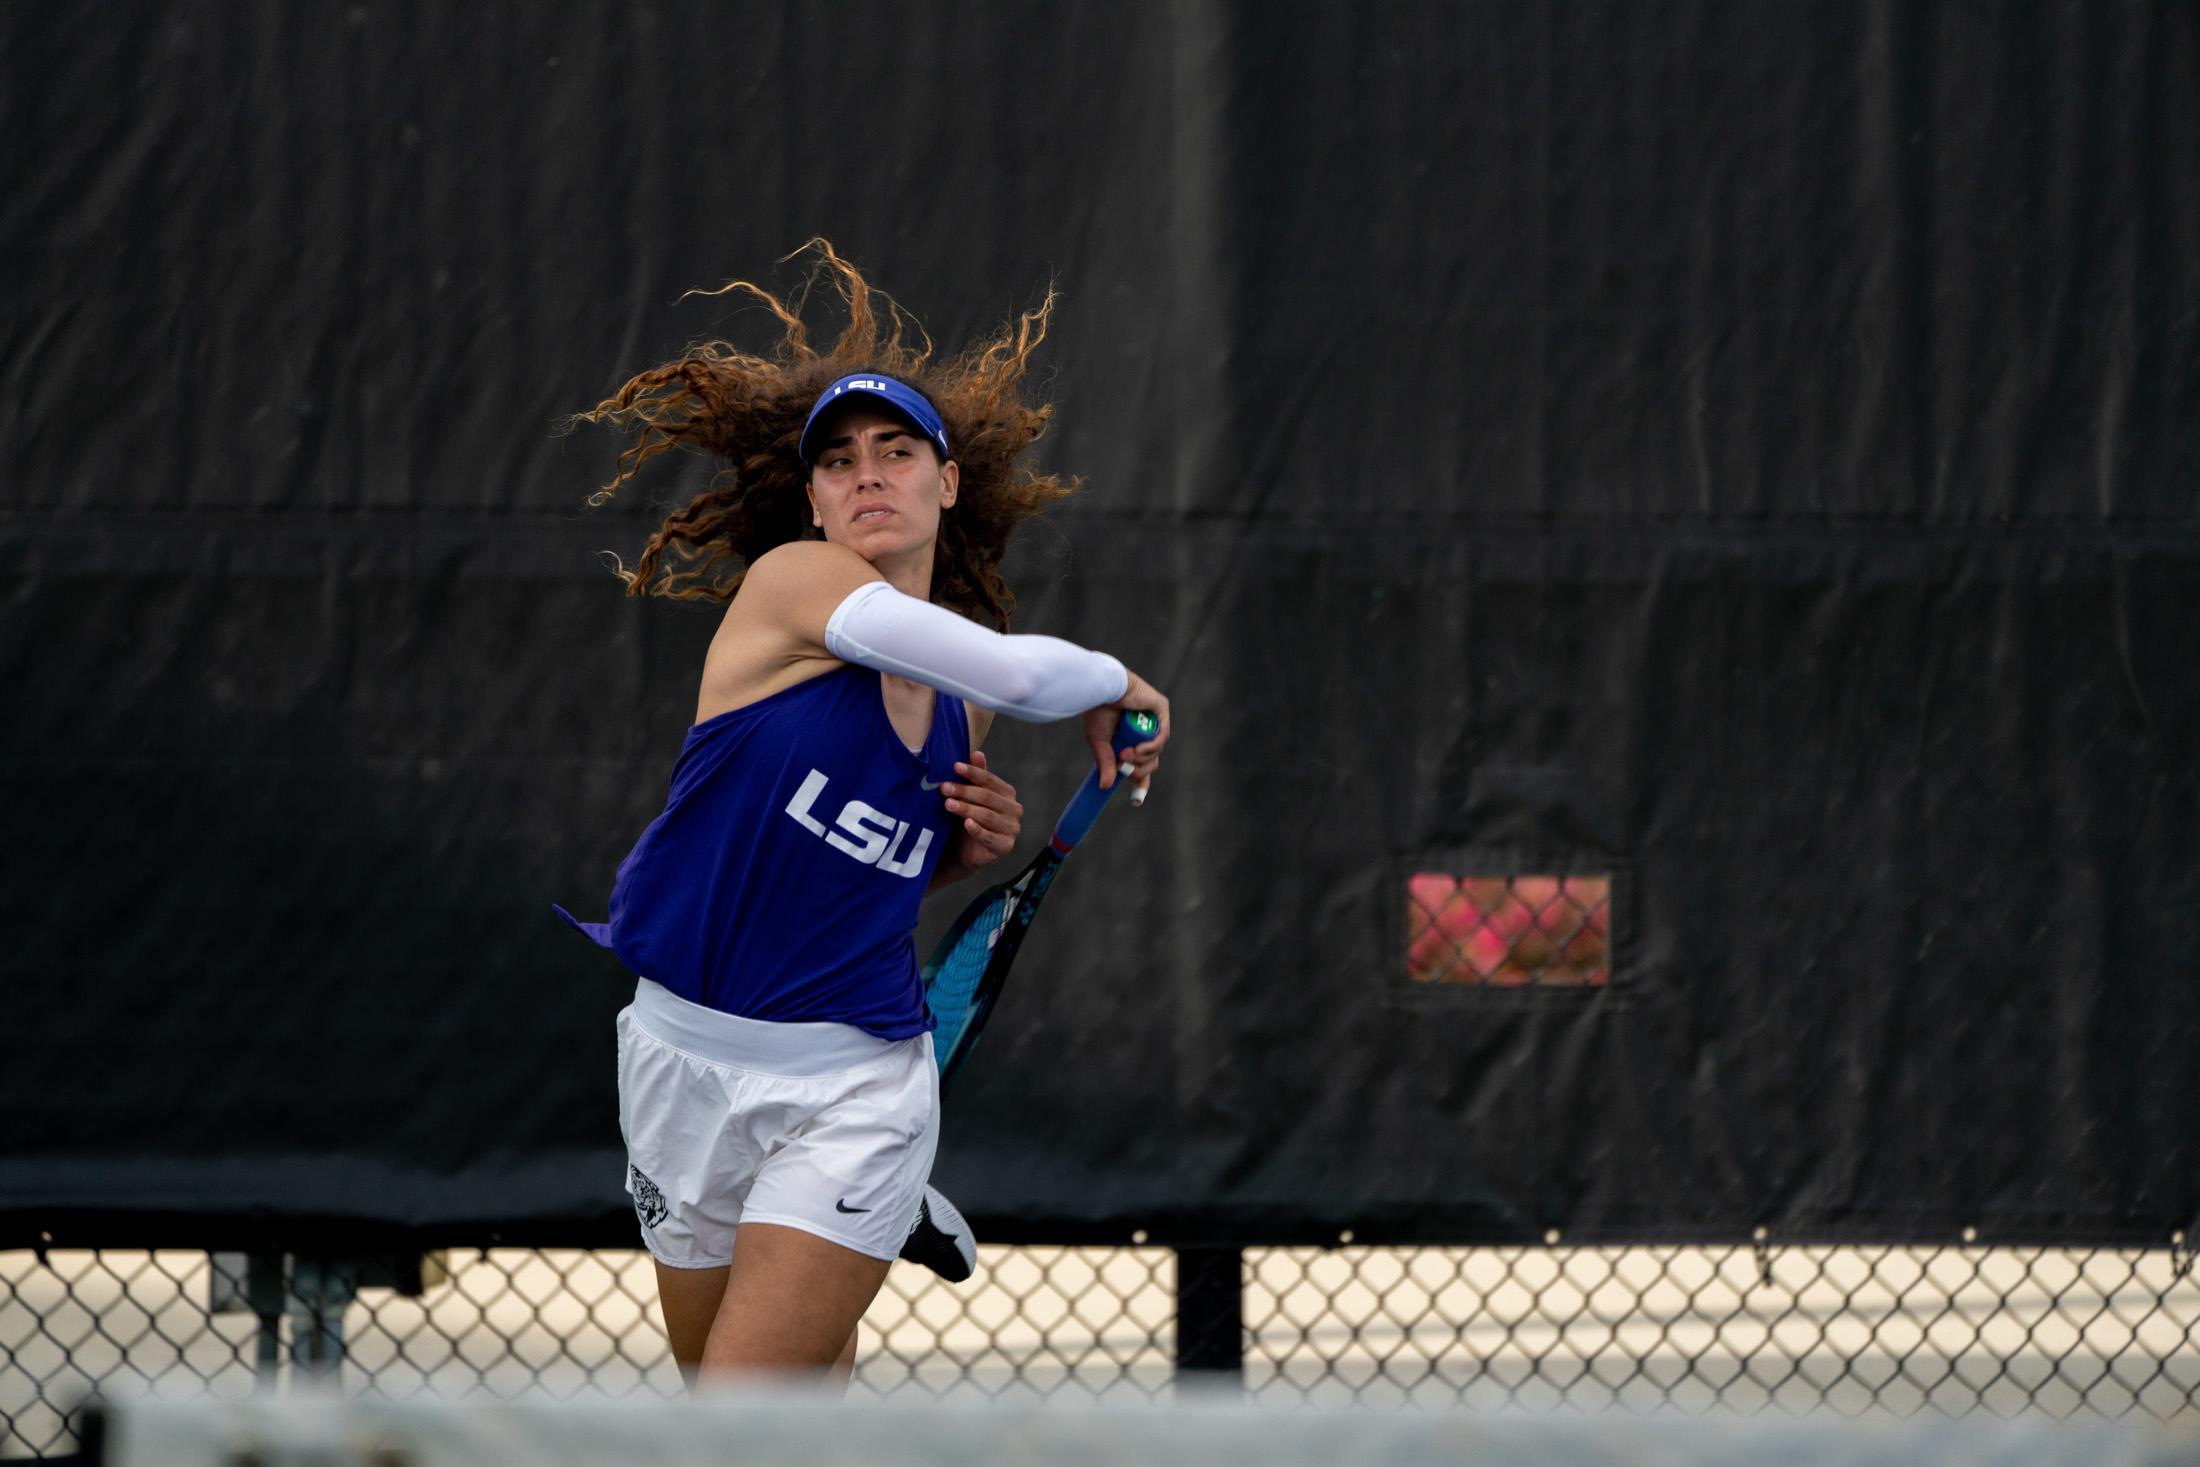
[940, 1239]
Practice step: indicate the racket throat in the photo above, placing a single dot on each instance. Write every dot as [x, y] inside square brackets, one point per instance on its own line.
[1009, 909]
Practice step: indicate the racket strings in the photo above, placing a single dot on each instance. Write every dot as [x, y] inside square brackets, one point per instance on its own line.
[953, 982]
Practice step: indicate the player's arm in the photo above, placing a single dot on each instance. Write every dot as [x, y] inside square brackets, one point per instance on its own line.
[823, 600]
[1039, 679]
[817, 601]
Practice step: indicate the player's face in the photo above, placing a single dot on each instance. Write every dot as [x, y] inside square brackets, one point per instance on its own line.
[878, 488]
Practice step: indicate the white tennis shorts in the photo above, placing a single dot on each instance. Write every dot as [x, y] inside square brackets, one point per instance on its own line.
[820, 1127]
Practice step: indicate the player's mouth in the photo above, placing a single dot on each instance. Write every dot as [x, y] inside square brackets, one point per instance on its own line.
[871, 515]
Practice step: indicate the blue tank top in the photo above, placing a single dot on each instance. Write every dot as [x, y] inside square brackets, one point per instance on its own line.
[783, 879]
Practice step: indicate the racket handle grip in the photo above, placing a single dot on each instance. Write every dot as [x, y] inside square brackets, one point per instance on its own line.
[1132, 729]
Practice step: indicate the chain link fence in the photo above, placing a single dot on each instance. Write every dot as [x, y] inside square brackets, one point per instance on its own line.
[1884, 1331]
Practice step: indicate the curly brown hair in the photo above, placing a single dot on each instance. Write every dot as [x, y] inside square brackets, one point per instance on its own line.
[749, 410]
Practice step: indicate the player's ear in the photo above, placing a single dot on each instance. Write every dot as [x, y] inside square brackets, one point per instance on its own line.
[816, 518]
[950, 482]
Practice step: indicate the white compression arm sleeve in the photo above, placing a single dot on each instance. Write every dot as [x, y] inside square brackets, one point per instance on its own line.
[1034, 678]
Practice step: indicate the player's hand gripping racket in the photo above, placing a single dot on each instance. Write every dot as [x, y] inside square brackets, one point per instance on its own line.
[963, 977]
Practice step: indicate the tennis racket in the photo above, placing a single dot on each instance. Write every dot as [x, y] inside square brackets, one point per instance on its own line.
[963, 977]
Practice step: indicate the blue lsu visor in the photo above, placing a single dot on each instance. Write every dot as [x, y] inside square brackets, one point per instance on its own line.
[900, 396]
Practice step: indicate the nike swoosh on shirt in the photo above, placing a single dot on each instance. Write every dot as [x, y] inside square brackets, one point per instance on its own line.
[841, 1206]
[927, 784]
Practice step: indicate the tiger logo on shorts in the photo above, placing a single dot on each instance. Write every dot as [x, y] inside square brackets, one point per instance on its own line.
[649, 1203]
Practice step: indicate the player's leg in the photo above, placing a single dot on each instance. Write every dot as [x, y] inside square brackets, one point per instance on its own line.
[673, 1113]
[831, 1205]
[792, 1301]
[775, 1169]
[844, 1368]
[689, 1299]
[939, 1239]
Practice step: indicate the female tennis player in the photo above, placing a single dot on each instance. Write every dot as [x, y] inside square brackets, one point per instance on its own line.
[777, 1090]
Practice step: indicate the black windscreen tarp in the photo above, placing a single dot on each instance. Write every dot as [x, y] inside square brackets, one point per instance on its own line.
[1747, 453]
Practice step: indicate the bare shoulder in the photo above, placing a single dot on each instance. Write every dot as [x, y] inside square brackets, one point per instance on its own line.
[773, 633]
[802, 570]
[791, 590]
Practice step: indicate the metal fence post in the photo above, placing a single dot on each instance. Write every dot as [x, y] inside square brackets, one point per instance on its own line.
[1210, 1313]
[265, 1286]
[321, 1289]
